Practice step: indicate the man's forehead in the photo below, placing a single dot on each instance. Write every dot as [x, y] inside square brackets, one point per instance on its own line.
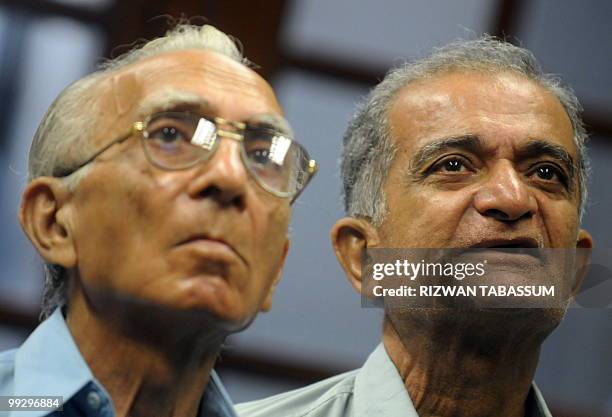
[190, 72]
[470, 90]
[124, 88]
[498, 108]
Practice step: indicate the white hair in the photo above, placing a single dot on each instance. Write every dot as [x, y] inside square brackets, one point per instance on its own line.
[63, 138]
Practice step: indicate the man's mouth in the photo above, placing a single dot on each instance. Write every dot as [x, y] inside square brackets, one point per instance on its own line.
[514, 243]
[519, 251]
[210, 247]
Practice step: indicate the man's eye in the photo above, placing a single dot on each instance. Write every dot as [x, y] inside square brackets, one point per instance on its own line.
[168, 134]
[262, 160]
[454, 164]
[549, 173]
[260, 156]
[259, 150]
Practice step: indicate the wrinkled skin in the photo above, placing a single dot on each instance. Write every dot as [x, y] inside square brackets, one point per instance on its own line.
[136, 246]
[486, 192]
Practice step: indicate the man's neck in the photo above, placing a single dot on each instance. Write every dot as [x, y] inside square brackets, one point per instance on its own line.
[453, 366]
[160, 374]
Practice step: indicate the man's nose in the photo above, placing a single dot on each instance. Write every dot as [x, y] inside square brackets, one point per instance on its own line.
[223, 177]
[505, 196]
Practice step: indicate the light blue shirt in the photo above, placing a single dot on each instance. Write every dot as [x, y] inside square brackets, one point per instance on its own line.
[375, 390]
[50, 364]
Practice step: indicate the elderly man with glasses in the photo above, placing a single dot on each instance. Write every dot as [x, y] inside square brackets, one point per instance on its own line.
[159, 198]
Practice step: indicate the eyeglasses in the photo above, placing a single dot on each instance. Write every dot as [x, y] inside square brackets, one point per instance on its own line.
[180, 140]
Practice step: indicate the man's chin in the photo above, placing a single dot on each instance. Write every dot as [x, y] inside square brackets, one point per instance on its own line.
[548, 317]
[214, 314]
[208, 313]
[486, 323]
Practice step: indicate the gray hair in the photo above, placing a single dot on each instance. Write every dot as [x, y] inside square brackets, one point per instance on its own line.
[368, 149]
[63, 138]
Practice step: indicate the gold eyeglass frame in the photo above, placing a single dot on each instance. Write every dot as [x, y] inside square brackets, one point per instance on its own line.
[141, 126]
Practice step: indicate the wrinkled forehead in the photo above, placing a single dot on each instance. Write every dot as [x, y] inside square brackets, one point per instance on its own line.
[496, 107]
[202, 78]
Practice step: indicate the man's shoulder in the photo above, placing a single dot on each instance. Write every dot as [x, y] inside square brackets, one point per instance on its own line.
[7, 356]
[330, 397]
[7, 371]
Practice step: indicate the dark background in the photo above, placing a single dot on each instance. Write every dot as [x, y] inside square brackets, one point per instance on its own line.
[321, 57]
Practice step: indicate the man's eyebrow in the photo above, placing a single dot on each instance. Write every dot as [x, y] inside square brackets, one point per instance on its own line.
[166, 100]
[538, 148]
[272, 121]
[170, 100]
[470, 143]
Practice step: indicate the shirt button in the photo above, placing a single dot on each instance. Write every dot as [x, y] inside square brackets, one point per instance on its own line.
[93, 400]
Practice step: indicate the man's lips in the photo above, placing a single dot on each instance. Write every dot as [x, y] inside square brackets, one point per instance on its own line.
[500, 250]
[518, 245]
[517, 242]
[212, 247]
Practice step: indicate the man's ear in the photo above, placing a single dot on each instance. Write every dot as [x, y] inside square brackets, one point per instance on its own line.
[350, 236]
[44, 217]
[584, 244]
[267, 304]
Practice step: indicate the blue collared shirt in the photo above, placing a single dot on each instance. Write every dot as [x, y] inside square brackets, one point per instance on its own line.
[50, 364]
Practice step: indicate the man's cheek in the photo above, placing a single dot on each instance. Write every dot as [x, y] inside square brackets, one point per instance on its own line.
[562, 226]
[276, 221]
[272, 244]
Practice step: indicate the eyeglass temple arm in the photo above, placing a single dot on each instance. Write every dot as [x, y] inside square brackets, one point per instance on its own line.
[312, 170]
[136, 127]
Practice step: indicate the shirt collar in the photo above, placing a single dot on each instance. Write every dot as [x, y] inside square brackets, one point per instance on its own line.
[536, 404]
[380, 391]
[50, 363]
[49, 360]
[216, 401]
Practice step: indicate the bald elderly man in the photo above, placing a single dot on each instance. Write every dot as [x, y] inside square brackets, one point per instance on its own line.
[159, 198]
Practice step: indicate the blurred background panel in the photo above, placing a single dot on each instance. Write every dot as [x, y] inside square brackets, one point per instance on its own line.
[39, 55]
[572, 39]
[322, 57]
[366, 33]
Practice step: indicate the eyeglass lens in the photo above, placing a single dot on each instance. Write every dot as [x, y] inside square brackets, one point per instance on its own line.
[177, 140]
